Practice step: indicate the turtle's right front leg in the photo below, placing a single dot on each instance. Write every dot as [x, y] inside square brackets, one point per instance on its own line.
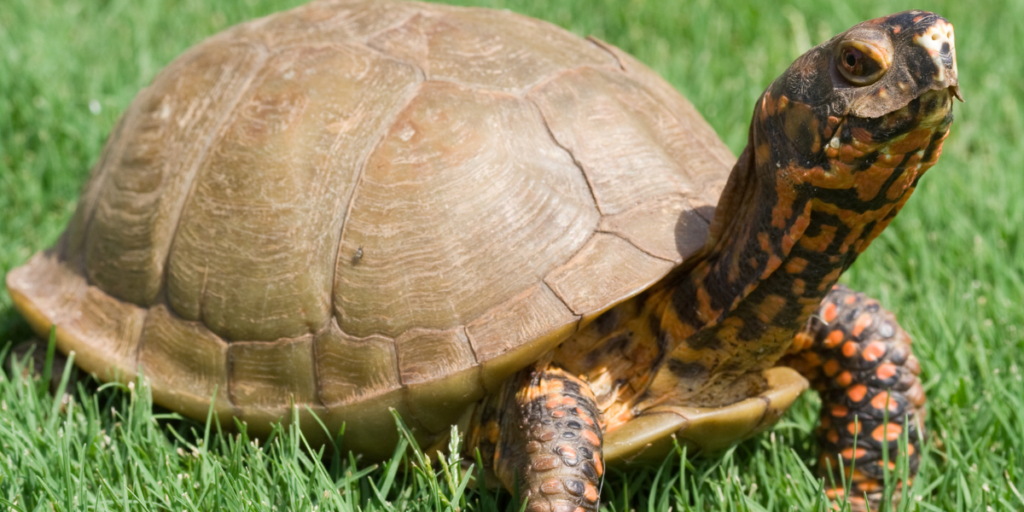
[548, 443]
[859, 360]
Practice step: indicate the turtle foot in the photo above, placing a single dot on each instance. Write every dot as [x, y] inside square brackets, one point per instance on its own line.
[549, 442]
[859, 359]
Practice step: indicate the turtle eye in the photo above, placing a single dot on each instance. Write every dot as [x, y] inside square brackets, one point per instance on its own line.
[861, 64]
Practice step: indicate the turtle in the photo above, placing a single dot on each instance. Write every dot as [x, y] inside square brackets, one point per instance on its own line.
[470, 217]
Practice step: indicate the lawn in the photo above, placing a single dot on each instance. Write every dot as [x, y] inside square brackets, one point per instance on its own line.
[951, 267]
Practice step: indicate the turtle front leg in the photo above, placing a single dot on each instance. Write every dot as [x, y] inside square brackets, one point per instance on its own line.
[546, 434]
[859, 360]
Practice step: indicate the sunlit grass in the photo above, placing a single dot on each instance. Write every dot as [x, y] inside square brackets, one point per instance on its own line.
[951, 267]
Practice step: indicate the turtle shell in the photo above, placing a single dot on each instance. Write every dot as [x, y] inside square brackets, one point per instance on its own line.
[361, 205]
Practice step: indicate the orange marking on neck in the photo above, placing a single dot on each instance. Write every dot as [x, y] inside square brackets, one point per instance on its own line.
[773, 263]
[799, 287]
[796, 265]
[770, 307]
[801, 341]
[830, 279]
[820, 242]
[783, 209]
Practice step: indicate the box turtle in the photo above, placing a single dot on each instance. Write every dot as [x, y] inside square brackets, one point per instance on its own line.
[472, 217]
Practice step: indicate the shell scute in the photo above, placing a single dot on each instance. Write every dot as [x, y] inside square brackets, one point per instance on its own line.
[487, 49]
[256, 245]
[126, 229]
[185, 363]
[455, 215]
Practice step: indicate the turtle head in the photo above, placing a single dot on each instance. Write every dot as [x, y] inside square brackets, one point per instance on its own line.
[846, 131]
[836, 146]
[878, 96]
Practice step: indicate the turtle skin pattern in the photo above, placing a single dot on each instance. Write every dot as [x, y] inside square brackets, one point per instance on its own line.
[859, 360]
[549, 447]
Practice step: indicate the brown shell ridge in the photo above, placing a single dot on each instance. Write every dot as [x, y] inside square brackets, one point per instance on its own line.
[438, 12]
[362, 41]
[551, 135]
[630, 242]
[428, 79]
[554, 75]
[603, 46]
[204, 149]
[385, 55]
[94, 185]
[621, 57]
[141, 369]
[597, 232]
[415, 418]
[382, 133]
[230, 362]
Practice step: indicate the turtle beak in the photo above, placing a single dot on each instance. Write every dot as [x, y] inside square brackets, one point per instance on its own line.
[938, 41]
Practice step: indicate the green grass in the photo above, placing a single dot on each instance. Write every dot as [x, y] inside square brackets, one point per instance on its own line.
[951, 267]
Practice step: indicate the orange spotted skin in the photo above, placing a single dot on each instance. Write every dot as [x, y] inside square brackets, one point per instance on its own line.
[833, 154]
[550, 446]
[881, 401]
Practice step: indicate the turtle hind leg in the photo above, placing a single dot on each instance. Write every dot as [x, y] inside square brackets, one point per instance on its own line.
[859, 360]
[546, 434]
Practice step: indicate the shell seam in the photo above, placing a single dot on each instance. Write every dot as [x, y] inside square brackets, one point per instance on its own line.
[577, 163]
[382, 134]
[105, 172]
[637, 247]
[226, 117]
[559, 295]
[601, 45]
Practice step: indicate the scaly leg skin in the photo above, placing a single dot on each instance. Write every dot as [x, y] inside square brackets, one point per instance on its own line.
[858, 358]
[548, 445]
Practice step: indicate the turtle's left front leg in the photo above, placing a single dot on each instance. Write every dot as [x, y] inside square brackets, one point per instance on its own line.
[859, 359]
[542, 433]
